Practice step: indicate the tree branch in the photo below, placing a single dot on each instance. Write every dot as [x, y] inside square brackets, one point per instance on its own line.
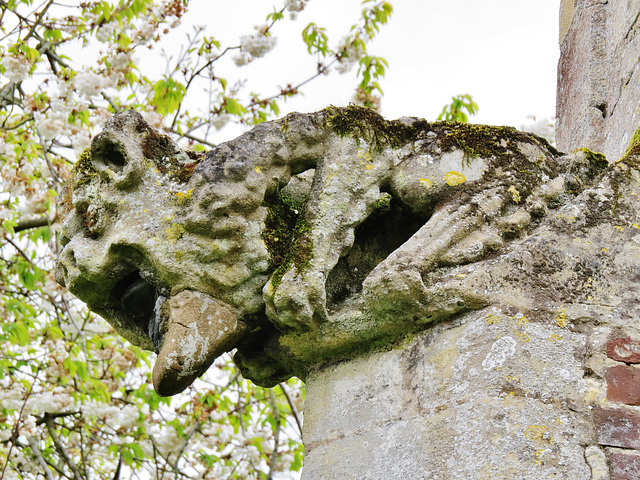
[20, 251]
[48, 420]
[31, 223]
[33, 443]
[16, 428]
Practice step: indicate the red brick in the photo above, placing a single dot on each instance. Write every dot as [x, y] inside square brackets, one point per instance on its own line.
[617, 427]
[625, 466]
[623, 384]
[624, 350]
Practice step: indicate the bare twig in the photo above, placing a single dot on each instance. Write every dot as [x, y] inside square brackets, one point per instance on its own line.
[111, 102]
[186, 440]
[116, 476]
[276, 434]
[54, 175]
[16, 428]
[20, 251]
[196, 139]
[292, 406]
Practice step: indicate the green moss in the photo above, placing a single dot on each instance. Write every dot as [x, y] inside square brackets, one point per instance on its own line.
[83, 170]
[165, 155]
[363, 123]
[286, 236]
[384, 203]
[82, 173]
[633, 149]
[592, 156]
[624, 166]
[485, 140]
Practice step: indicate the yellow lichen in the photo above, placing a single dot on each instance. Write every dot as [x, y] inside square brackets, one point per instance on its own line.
[536, 432]
[561, 318]
[182, 197]
[555, 337]
[454, 178]
[515, 194]
[175, 231]
[426, 182]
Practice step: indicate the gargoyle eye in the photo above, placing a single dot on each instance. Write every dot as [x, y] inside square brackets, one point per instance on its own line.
[113, 158]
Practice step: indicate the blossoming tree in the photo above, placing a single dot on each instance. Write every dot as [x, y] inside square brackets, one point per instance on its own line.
[75, 399]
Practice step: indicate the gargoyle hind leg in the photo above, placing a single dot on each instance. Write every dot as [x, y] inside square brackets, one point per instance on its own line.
[343, 195]
[395, 291]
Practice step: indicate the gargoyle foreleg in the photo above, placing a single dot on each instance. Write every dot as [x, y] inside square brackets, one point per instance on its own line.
[343, 195]
[397, 290]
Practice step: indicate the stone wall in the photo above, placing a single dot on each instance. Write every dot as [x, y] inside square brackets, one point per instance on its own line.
[598, 75]
[473, 400]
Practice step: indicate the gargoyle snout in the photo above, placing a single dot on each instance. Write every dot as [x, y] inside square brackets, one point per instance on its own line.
[66, 268]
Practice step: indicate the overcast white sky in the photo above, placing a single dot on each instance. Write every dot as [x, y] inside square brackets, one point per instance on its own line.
[503, 52]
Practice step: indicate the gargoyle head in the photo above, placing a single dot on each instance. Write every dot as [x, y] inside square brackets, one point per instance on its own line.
[146, 247]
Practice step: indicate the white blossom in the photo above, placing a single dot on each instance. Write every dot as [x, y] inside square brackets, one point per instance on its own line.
[351, 54]
[293, 7]
[220, 121]
[545, 127]
[88, 83]
[81, 140]
[241, 59]
[105, 31]
[50, 402]
[128, 416]
[152, 117]
[17, 68]
[258, 44]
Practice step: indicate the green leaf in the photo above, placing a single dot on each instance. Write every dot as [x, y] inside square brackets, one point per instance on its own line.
[168, 95]
[233, 107]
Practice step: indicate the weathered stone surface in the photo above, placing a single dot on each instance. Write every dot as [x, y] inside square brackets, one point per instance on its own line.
[625, 466]
[598, 77]
[324, 235]
[624, 349]
[623, 384]
[597, 460]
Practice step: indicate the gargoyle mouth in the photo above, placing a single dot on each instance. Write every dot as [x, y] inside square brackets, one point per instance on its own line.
[137, 298]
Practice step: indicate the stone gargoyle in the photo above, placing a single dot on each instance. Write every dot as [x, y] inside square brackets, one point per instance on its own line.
[307, 240]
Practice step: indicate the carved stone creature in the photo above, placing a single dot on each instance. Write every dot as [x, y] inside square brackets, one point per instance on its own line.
[306, 240]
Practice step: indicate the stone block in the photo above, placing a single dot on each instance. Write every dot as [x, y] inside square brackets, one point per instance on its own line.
[617, 427]
[625, 466]
[623, 384]
[624, 350]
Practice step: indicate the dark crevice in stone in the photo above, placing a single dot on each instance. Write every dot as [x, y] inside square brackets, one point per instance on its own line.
[384, 231]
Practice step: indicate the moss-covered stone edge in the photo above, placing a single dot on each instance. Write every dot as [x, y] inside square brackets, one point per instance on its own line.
[285, 235]
[474, 140]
